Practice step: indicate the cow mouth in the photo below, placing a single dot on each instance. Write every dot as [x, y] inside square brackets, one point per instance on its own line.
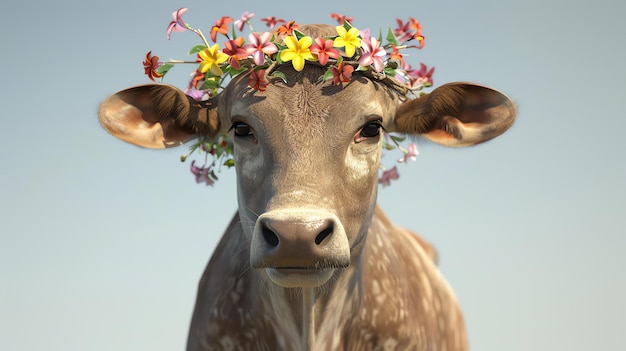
[299, 277]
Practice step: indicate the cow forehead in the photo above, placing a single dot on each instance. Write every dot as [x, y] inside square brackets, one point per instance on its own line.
[307, 105]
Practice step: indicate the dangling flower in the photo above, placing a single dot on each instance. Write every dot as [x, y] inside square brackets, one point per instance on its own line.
[257, 80]
[418, 31]
[177, 25]
[402, 33]
[210, 60]
[348, 39]
[235, 52]
[342, 73]
[373, 54]
[259, 46]
[201, 173]
[150, 65]
[297, 51]
[245, 18]
[221, 26]
[272, 21]
[410, 154]
[388, 176]
[323, 49]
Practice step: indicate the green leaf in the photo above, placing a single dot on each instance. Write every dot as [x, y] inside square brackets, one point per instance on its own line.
[391, 38]
[229, 163]
[196, 49]
[397, 139]
[299, 35]
[390, 72]
[347, 25]
[233, 72]
[164, 68]
[234, 35]
[280, 75]
[328, 74]
[280, 46]
[209, 84]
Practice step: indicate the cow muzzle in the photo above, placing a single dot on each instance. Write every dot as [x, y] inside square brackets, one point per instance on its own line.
[299, 248]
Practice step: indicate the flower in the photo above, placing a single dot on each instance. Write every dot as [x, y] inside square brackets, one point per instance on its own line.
[396, 55]
[418, 31]
[150, 65]
[177, 25]
[297, 51]
[410, 154]
[210, 59]
[323, 49]
[287, 28]
[201, 173]
[342, 73]
[423, 74]
[259, 46]
[341, 19]
[257, 80]
[221, 26]
[388, 176]
[235, 52]
[403, 32]
[245, 18]
[372, 54]
[348, 39]
[272, 21]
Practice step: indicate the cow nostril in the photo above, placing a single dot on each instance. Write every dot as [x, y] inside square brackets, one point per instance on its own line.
[323, 235]
[270, 237]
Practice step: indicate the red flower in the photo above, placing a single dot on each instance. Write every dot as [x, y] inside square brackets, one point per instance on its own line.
[150, 64]
[257, 80]
[422, 75]
[221, 26]
[323, 49]
[388, 176]
[235, 52]
[272, 21]
[403, 32]
[341, 18]
[342, 73]
[287, 28]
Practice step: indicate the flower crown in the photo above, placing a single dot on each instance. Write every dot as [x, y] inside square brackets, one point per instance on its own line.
[341, 55]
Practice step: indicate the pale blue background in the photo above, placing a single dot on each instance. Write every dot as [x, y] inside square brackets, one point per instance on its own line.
[102, 243]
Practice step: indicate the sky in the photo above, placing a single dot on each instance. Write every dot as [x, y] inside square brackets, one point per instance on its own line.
[102, 243]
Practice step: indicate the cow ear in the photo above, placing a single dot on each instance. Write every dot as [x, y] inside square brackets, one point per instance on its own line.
[457, 114]
[157, 116]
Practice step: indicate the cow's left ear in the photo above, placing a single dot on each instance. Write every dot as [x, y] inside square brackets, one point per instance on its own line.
[158, 116]
[457, 114]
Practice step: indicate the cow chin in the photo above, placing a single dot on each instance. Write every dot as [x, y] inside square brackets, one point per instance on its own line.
[299, 278]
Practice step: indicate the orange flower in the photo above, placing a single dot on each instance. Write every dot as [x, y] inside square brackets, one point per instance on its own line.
[341, 18]
[396, 55]
[221, 27]
[287, 28]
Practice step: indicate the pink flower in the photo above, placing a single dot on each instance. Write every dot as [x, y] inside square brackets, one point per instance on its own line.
[235, 52]
[257, 80]
[423, 75]
[201, 173]
[272, 21]
[365, 34]
[260, 46]
[388, 176]
[373, 54]
[410, 154]
[403, 32]
[245, 17]
[177, 25]
[323, 49]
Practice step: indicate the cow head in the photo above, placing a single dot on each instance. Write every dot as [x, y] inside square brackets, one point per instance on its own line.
[307, 154]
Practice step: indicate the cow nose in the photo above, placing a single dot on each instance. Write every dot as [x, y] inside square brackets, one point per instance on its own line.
[299, 240]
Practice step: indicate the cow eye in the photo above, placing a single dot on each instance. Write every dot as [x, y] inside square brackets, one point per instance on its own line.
[241, 130]
[369, 130]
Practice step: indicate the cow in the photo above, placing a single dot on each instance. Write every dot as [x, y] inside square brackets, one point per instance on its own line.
[309, 261]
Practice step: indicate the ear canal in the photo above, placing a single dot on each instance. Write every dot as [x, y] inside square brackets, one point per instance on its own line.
[457, 114]
[157, 116]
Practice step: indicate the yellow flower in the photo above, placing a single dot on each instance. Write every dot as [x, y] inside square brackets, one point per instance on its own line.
[211, 58]
[348, 39]
[297, 51]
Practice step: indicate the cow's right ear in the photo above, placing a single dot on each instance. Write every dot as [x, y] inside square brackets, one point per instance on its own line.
[158, 116]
